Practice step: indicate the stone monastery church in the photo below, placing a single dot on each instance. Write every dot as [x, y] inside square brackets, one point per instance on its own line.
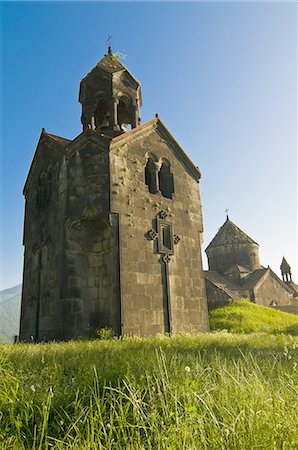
[113, 227]
[113, 223]
[235, 272]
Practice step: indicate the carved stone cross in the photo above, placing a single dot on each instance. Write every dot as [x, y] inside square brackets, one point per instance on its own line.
[162, 233]
[164, 240]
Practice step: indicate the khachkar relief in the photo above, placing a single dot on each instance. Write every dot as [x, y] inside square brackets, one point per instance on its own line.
[164, 241]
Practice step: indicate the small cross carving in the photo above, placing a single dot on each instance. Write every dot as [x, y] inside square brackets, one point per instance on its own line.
[176, 239]
[163, 214]
[152, 234]
[166, 258]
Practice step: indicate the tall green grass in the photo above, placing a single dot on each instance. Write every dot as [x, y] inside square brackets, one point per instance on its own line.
[213, 391]
[245, 316]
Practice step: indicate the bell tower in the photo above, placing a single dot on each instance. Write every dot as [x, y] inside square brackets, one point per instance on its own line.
[113, 223]
[285, 271]
[110, 97]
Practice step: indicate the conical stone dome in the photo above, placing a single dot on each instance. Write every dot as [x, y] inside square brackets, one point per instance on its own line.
[231, 246]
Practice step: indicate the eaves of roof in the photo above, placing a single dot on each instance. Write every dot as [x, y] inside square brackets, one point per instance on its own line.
[59, 139]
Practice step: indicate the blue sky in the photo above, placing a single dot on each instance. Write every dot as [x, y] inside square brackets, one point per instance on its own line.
[222, 77]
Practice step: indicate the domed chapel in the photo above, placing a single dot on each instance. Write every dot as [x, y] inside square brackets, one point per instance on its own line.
[113, 223]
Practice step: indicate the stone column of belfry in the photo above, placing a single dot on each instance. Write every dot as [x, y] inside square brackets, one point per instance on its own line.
[93, 125]
[114, 114]
[136, 114]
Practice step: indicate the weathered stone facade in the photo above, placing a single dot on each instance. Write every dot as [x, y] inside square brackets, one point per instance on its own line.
[113, 223]
[235, 272]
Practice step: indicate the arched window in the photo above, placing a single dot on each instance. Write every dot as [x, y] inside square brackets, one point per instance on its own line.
[151, 173]
[102, 114]
[125, 118]
[166, 179]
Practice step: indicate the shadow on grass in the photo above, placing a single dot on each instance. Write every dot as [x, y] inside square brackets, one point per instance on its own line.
[293, 330]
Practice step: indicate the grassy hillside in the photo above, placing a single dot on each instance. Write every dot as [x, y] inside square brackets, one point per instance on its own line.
[213, 391]
[244, 316]
[10, 310]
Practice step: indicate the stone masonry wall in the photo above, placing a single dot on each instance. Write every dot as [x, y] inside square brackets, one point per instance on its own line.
[222, 258]
[270, 290]
[43, 240]
[142, 284]
[90, 286]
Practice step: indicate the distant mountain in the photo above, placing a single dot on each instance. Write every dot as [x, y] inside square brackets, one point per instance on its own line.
[10, 311]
